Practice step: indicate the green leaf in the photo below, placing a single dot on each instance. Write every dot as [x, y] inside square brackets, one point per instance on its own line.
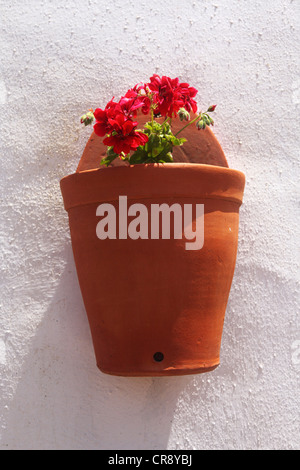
[110, 157]
[168, 157]
[139, 156]
[175, 140]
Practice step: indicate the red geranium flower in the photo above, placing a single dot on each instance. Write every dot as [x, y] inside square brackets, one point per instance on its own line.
[187, 94]
[130, 103]
[135, 99]
[124, 136]
[102, 116]
[170, 95]
[163, 88]
[101, 127]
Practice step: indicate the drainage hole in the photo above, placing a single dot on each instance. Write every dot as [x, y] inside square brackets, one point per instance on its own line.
[158, 356]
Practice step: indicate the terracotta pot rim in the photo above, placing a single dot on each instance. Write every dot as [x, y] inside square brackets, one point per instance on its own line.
[154, 180]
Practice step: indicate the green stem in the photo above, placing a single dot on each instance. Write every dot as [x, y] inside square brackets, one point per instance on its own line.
[189, 123]
[165, 121]
[150, 96]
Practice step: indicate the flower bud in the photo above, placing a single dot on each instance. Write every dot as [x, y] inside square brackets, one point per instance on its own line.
[87, 118]
[212, 108]
[201, 124]
[183, 114]
[208, 120]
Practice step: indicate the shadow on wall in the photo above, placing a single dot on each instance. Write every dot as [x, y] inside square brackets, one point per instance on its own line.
[63, 401]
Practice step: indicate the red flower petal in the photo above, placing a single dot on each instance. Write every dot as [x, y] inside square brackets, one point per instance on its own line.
[109, 141]
[99, 114]
[100, 129]
[128, 126]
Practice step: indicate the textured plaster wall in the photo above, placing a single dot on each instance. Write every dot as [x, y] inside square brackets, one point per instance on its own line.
[57, 60]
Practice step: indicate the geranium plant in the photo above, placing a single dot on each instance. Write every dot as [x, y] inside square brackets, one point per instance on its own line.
[162, 97]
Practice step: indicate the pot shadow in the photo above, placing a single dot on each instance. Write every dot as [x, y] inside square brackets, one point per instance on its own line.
[63, 401]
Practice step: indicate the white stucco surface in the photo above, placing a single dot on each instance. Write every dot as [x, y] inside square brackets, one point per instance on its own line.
[57, 60]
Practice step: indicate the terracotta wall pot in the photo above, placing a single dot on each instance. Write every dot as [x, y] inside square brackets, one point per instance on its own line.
[154, 307]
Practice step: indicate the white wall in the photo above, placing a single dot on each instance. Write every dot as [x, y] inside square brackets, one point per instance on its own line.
[57, 60]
